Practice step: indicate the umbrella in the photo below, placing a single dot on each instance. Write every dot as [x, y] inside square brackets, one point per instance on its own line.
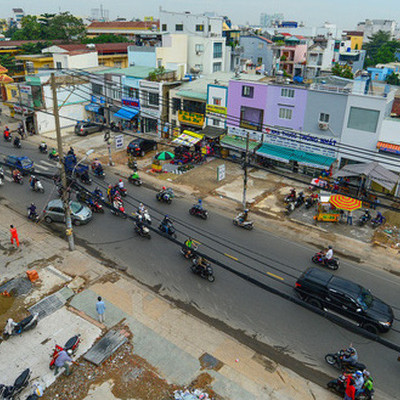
[3, 70]
[345, 203]
[6, 79]
[165, 155]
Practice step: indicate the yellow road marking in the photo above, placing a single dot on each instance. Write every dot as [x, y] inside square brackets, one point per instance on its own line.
[233, 258]
[275, 276]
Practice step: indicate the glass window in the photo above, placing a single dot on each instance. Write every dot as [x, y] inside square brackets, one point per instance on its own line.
[154, 99]
[285, 92]
[199, 48]
[217, 101]
[179, 27]
[164, 27]
[259, 60]
[176, 105]
[199, 28]
[217, 50]
[217, 67]
[251, 118]
[248, 91]
[75, 207]
[215, 121]
[285, 113]
[323, 117]
[363, 119]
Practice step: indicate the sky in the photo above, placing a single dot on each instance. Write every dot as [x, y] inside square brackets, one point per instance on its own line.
[344, 13]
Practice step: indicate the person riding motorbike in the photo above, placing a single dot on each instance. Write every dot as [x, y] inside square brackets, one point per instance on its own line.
[43, 146]
[358, 382]
[199, 204]
[33, 181]
[166, 222]
[17, 141]
[139, 223]
[366, 216]
[368, 384]
[32, 210]
[6, 133]
[201, 263]
[350, 356]
[134, 175]
[292, 195]
[97, 192]
[141, 209]
[16, 174]
[1, 173]
[121, 184]
[53, 152]
[243, 215]
[328, 254]
[189, 246]
[379, 217]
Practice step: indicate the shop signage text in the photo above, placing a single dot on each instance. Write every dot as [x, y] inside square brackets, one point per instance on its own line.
[191, 118]
[130, 102]
[25, 89]
[211, 108]
[98, 100]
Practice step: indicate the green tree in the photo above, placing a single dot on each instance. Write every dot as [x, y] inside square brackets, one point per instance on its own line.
[30, 29]
[380, 49]
[344, 71]
[107, 38]
[35, 48]
[393, 79]
[8, 62]
[66, 27]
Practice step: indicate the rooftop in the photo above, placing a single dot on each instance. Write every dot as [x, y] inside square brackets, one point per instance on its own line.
[101, 48]
[134, 25]
[136, 71]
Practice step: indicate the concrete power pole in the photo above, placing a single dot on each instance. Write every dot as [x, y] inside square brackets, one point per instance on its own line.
[65, 196]
[245, 171]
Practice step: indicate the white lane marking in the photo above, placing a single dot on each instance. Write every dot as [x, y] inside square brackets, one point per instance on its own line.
[49, 164]
[38, 166]
[7, 178]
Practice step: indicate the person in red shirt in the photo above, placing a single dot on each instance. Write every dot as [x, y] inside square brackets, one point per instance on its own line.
[350, 392]
[14, 235]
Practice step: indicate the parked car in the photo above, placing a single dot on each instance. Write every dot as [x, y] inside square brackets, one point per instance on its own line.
[139, 147]
[54, 212]
[86, 128]
[24, 164]
[323, 290]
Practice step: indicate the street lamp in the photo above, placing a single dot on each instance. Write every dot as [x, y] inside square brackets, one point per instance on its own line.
[88, 153]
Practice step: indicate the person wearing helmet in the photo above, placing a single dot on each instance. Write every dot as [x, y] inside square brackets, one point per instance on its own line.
[358, 382]
[166, 223]
[350, 390]
[141, 209]
[32, 211]
[63, 360]
[121, 184]
[350, 356]
[244, 215]
[199, 204]
[33, 181]
[328, 254]
[98, 192]
[189, 247]
[368, 387]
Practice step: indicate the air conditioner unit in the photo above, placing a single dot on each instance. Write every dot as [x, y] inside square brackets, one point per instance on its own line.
[323, 126]
[198, 52]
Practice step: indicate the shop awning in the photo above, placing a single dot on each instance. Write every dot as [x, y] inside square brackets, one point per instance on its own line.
[284, 154]
[213, 132]
[389, 147]
[345, 203]
[126, 113]
[237, 143]
[93, 107]
[188, 138]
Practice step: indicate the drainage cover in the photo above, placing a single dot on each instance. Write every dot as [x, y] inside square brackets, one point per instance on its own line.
[17, 286]
[208, 361]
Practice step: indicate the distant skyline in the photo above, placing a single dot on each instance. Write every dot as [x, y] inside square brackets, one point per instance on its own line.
[345, 14]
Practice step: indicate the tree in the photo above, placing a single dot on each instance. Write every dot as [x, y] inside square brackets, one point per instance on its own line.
[106, 38]
[344, 71]
[393, 79]
[30, 29]
[8, 62]
[66, 27]
[380, 49]
[35, 48]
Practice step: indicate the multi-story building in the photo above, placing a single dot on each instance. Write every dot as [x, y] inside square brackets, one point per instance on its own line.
[270, 20]
[258, 50]
[18, 14]
[356, 39]
[319, 57]
[372, 26]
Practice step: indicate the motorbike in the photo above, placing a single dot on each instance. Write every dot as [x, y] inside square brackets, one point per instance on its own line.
[38, 187]
[118, 209]
[98, 194]
[145, 215]
[364, 219]
[202, 213]
[336, 360]
[85, 179]
[17, 143]
[99, 173]
[96, 207]
[122, 191]
[243, 224]
[43, 149]
[299, 200]
[26, 324]
[319, 258]
[165, 196]
[54, 156]
[378, 222]
[290, 207]
[338, 386]
[189, 253]
[135, 181]
[205, 273]
[71, 344]
[291, 196]
[7, 138]
[1, 176]
[168, 229]
[310, 201]
[18, 179]
[12, 392]
[33, 216]
[144, 232]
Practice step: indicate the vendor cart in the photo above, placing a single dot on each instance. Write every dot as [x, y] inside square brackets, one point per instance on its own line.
[326, 212]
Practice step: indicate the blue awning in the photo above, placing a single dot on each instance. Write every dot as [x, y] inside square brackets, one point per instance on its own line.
[93, 107]
[126, 113]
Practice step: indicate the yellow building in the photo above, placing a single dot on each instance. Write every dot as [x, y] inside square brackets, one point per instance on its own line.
[33, 63]
[114, 60]
[356, 39]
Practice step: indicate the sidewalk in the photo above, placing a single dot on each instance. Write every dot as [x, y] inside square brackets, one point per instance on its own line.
[177, 345]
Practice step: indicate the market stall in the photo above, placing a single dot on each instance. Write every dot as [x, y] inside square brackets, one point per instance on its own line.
[330, 207]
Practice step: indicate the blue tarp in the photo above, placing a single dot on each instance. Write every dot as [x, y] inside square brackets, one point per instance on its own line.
[126, 113]
[93, 107]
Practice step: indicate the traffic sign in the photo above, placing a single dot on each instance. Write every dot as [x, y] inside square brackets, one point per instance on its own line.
[119, 142]
[221, 172]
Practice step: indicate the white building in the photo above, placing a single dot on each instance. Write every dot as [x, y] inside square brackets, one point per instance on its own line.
[371, 26]
[206, 47]
[319, 58]
[76, 60]
[270, 20]
[18, 14]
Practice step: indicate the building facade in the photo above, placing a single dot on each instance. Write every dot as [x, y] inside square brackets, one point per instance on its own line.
[258, 50]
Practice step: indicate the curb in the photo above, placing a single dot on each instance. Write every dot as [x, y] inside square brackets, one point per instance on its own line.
[296, 221]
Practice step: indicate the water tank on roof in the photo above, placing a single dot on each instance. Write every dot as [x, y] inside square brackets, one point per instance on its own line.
[91, 46]
[279, 76]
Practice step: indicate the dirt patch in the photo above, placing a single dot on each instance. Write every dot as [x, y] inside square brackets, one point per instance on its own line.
[207, 361]
[12, 307]
[203, 382]
[112, 278]
[268, 364]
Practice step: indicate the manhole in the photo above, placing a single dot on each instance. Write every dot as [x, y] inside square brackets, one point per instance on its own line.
[208, 361]
[17, 286]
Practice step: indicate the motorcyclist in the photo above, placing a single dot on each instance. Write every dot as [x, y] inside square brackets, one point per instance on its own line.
[33, 181]
[368, 383]
[1, 173]
[350, 356]
[117, 203]
[139, 223]
[366, 216]
[328, 254]
[10, 326]
[199, 204]
[201, 263]
[16, 174]
[97, 192]
[43, 146]
[189, 246]
[32, 210]
[121, 184]
[358, 382]
[379, 217]
[166, 222]
[243, 215]
[292, 195]
[17, 141]
[6, 133]
[53, 152]
[71, 152]
[135, 175]
[141, 209]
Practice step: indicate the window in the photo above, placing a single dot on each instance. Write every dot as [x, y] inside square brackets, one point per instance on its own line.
[58, 65]
[217, 101]
[251, 118]
[199, 67]
[179, 27]
[248, 91]
[209, 28]
[217, 50]
[13, 93]
[215, 122]
[363, 119]
[131, 92]
[199, 28]
[97, 88]
[260, 45]
[154, 99]
[259, 60]
[285, 113]
[159, 62]
[217, 67]
[194, 106]
[199, 48]
[323, 117]
[285, 92]
[176, 105]
[164, 27]
[117, 64]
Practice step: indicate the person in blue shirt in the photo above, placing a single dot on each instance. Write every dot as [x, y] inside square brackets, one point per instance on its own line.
[63, 360]
[100, 308]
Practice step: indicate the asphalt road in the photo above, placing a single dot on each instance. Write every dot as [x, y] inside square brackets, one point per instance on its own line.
[288, 333]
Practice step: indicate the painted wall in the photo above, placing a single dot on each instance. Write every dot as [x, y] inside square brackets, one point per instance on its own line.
[144, 58]
[380, 74]
[221, 92]
[82, 94]
[173, 53]
[333, 104]
[78, 61]
[390, 131]
[255, 48]
[68, 116]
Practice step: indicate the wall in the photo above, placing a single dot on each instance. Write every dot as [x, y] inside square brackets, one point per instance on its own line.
[66, 94]
[45, 122]
[333, 104]
[300, 53]
[275, 101]
[356, 42]
[173, 53]
[86, 60]
[144, 58]
[252, 51]
[220, 113]
[390, 131]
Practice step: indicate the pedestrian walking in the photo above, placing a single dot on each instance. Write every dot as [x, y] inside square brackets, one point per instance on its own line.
[350, 218]
[63, 360]
[100, 308]
[14, 235]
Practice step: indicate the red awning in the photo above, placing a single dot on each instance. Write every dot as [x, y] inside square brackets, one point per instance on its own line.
[389, 147]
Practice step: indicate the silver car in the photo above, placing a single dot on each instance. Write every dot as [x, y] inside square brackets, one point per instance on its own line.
[54, 212]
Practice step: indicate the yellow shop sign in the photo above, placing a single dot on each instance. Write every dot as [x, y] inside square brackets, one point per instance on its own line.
[211, 108]
[191, 118]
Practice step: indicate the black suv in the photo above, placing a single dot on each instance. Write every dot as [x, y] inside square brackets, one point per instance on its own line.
[85, 128]
[324, 290]
[139, 147]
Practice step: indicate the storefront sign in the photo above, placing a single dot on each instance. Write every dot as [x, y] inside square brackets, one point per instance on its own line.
[119, 142]
[191, 118]
[19, 109]
[211, 108]
[98, 100]
[253, 135]
[25, 89]
[221, 172]
[130, 102]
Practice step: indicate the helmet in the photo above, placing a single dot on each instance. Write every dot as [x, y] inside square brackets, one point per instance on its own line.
[140, 204]
[120, 180]
[330, 247]
[246, 210]
[358, 373]
[366, 373]
[69, 352]
[97, 188]
[164, 188]
[33, 176]
[166, 216]
[32, 204]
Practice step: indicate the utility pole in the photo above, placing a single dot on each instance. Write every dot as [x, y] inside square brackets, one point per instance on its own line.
[245, 170]
[65, 196]
[107, 118]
